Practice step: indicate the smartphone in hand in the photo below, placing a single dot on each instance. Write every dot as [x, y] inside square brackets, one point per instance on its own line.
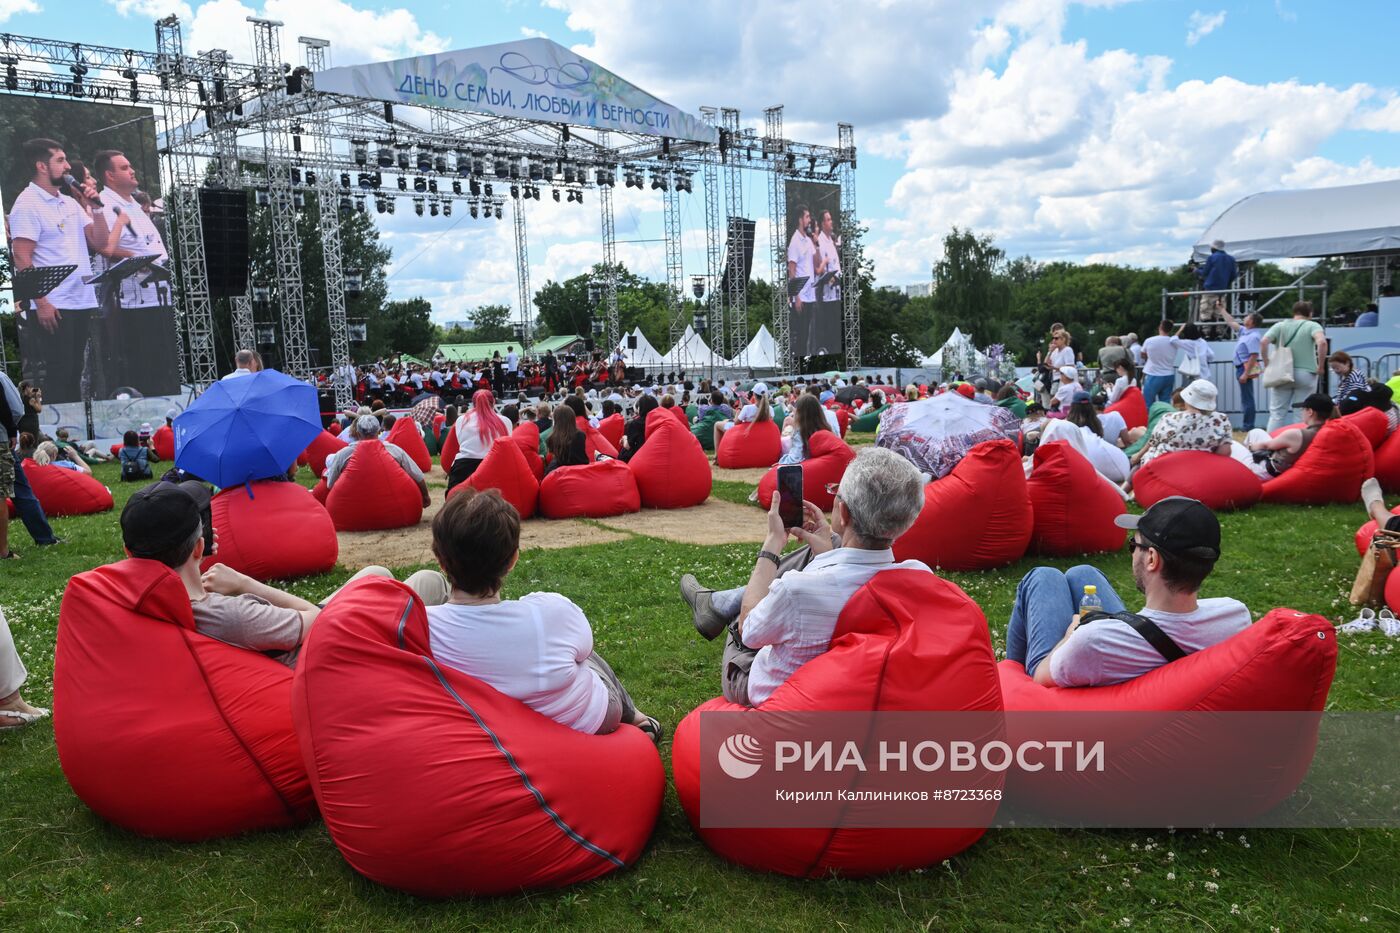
[790, 495]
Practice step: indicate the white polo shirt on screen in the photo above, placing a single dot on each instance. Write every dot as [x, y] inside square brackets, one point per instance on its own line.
[793, 624]
[832, 258]
[57, 226]
[803, 253]
[140, 238]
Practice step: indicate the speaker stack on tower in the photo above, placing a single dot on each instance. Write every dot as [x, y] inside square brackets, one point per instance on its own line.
[223, 218]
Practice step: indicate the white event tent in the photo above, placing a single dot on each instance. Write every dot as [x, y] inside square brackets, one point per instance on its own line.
[761, 353]
[690, 352]
[957, 345]
[1309, 223]
[645, 355]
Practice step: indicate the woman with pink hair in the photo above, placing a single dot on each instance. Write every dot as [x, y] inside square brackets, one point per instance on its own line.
[476, 431]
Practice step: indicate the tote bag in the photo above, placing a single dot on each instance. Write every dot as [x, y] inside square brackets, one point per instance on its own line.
[1279, 371]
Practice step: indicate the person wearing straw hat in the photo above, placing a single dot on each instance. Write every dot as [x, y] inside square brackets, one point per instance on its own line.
[1198, 426]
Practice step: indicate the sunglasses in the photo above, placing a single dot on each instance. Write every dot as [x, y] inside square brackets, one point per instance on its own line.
[1135, 545]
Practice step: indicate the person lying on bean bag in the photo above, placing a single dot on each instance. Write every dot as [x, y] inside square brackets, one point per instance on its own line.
[367, 427]
[1175, 546]
[786, 614]
[1271, 456]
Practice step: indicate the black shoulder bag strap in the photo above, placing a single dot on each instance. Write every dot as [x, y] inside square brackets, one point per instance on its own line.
[1146, 628]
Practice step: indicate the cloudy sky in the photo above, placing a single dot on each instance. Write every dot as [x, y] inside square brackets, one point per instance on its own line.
[1094, 130]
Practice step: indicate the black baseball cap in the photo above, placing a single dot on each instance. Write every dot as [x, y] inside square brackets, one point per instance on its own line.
[162, 516]
[1179, 526]
[1318, 402]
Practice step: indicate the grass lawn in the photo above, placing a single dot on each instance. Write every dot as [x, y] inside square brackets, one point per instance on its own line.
[61, 868]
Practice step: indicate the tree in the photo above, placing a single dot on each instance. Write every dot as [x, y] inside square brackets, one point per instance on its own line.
[490, 323]
[971, 291]
[402, 327]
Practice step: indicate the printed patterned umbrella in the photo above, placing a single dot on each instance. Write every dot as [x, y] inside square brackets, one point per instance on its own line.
[935, 433]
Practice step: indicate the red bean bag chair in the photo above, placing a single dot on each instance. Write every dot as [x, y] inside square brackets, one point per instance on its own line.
[67, 492]
[163, 442]
[1284, 662]
[1332, 469]
[320, 493]
[613, 427]
[1222, 483]
[906, 641]
[116, 450]
[1388, 463]
[273, 531]
[672, 470]
[406, 436]
[977, 517]
[334, 428]
[321, 449]
[505, 469]
[164, 731]
[1132, 406]
[750, 445]
[1372, 423]
[843, 418]
[453, 788]
[597, 490]
[10, 507]
[1074, 506]
[595, 442]
[827, 457]
[373, 492]
[1366, 532]
[450, 447]
[679, 414]
[527, 436]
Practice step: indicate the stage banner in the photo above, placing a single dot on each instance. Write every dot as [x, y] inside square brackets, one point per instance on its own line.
[80, 186]
[531, 79]
[814, 268]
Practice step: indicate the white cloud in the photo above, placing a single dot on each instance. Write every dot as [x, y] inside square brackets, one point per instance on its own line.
[151, 9]
[356, 35]
[530, 33]
[1199, 25]
[10, 8]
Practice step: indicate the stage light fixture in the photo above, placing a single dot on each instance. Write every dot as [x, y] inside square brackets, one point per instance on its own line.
[811, 166]
[433, 208]
[569, 176]
[298, 200]
[569, 196]
[536, 171]
[456, 187]
[433, 185]
[515, 192]
[346, 205]
[360, 149]
[475, 187]
[379, 205]
[364, 180]
[555, 192]
[392, 204]
[261, 198]
[311, 179]
[360, 203]
[791, 161]
[440, 161]
[478, 164]
[344, 179]
[515, 169]
[418, 206]
[261, 293]
[472, 209]
[498, 210]
[11, 73]
[425, 160]
[403, 158]
[130, 75]
[385, 156]
[500, 167]
[486, 190]
[403, 183]
[447, 208]
[603, 177]
[547, 171]
[296, 176]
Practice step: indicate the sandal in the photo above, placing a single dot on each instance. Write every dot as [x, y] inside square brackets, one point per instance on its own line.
[22, 717]
[1365, 622]
[1388, 623]
[653, 729]
[10, 555]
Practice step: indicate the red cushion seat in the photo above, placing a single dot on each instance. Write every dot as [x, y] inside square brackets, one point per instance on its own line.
[613, 427]
[595, 442]
[1372, 423]
[527, 436]
[273, 531]
[450, 447]
[164, 731]
[1283, 662]
[1388, 463]
[1074, 506]
[163, 442]
[595, 490]
[406, 436]
[977, 517]
[321, 448]
[373, 492]
[906, 641]
[1222, 483]
[506, 469]
[751, 445]
[672, 470]
[454, 788]
[1332, 469]
[827, 458]
[67, 492]
[1132, 406]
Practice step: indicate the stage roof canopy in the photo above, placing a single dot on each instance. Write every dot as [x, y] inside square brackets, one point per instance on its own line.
[1309, 223]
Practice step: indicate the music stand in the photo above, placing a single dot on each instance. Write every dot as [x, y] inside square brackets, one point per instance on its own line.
[109, 281]
[796, 285]
[38, 281]
[820, 287]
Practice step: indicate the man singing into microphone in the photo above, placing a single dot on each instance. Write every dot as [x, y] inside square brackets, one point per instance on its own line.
[141, 329]
[49, 227]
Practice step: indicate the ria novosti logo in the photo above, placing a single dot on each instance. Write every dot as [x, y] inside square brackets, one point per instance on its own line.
[740, 756]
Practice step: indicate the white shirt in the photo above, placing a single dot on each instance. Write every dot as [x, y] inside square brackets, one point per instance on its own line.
[1160, 352]
[141, 238]
[1065, 393]
[1063, 356]
[803, 253]
[833, 421]
[832, 259]
[469, 445]
[336, 462]
[532, 649]
[793, 624]
[1113, 425]
[1120, 385]
[437, 378]
[512, 361]
[417, 380]
[1109, 651]
[56, 225]
[1135, 353]
[747, 413]
[240, 371]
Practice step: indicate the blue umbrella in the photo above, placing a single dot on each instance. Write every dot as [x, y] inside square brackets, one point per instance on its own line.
[247, 428]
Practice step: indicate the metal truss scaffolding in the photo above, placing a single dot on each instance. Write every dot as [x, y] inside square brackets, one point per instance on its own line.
[522, 271]
[736, 295]
[850, 275]
[675, 271]
[605, 201]
[328, 208]
[773, 145]
[194, 314]
[282, 198]
[714, 246]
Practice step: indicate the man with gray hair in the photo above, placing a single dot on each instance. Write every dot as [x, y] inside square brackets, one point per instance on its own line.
[366, 427]
[787, 613]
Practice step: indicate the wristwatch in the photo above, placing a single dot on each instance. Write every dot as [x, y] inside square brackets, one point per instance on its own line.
[769, 555]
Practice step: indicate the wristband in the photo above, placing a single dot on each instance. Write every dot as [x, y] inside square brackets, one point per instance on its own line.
[769, 555]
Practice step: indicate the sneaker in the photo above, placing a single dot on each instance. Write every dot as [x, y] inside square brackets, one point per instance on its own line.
[1365, 622]
[1390, 625]
[708, 622]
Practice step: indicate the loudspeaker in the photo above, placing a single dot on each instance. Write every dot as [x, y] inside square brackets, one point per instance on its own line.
[631, 341]
[740, 241]
[588, 344]
[223, 218]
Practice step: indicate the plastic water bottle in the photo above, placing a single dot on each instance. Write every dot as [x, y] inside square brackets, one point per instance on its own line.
[1090, 602]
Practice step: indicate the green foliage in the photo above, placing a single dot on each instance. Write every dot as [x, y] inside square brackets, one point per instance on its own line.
[403, 327]
[490, 323]
[972, 293]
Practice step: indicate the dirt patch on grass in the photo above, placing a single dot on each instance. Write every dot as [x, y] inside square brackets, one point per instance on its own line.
[751, 477]
[713, 522]
[405, 547]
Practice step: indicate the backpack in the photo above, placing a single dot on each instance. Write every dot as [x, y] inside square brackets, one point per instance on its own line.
[133, 467]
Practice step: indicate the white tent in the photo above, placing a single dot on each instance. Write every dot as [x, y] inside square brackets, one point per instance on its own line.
[761, 353]
[956, 346]
[645, 355]
[1309, 223]
[690, 352]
